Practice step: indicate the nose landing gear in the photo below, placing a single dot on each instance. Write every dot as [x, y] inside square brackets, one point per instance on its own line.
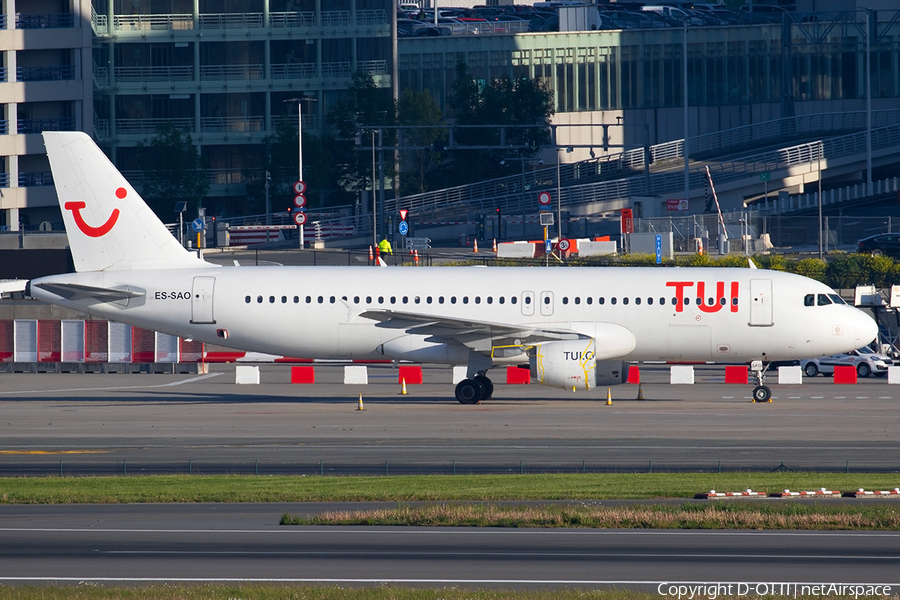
[761, 393]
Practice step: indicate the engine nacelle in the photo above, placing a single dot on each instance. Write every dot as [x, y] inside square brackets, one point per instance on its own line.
[572, 364]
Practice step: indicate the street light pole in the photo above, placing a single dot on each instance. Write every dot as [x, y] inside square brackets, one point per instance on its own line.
[687, 162]
[300, 156]
[819, 170]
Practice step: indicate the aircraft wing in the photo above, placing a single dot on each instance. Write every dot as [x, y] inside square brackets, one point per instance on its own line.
[479, 335]
[74, 291]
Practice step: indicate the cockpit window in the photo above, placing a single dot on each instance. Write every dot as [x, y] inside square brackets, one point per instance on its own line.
[809, 300]
[836, 299]
[823, 300]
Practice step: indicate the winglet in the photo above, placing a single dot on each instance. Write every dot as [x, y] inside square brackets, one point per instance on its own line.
[752, 264]
[109, 225]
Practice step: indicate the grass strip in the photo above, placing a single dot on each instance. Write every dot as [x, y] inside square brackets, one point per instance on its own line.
[89, 591]
[718, 515]
[250, 488]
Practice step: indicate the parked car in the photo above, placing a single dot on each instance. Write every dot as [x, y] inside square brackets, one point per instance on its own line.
[882, 243]
[865, 360]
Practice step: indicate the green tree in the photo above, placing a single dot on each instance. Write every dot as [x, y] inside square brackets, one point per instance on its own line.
[364, 108]
[174, 171]
[417, 109]
[520, 101]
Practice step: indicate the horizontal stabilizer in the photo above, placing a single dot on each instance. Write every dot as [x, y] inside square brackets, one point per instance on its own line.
[9, 286]
[74, 291]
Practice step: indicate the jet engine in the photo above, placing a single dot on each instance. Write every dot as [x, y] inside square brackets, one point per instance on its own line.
[572, 364]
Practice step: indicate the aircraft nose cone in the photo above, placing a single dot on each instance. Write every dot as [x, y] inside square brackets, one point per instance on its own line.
[865, 329]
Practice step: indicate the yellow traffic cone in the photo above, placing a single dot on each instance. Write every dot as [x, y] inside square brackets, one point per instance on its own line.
[403, 387]
[608, 397]
[640, 392]
[475, 247]
[360, 405]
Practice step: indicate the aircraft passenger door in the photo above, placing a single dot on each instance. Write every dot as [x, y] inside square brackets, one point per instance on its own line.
[202, 300]
[761, 303]
[527, 303]
[546, 303]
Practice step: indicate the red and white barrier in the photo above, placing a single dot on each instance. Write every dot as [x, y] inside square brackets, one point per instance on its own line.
[820, 493]
[714, 494]
[861, 493]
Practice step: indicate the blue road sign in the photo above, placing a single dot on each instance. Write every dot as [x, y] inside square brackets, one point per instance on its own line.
[198, 224]
[403, 227]
[658, 248]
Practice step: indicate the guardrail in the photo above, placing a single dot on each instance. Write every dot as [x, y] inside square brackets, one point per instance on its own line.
[39, 125]
[51, 73]
[45, 21]
[581, 173]
[35, 178]
[232, 72]
[150, 74]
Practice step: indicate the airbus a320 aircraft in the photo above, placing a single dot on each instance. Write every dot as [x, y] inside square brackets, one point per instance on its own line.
[561, 321]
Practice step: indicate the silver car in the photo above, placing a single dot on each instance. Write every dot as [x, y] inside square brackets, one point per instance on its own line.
[865, 360]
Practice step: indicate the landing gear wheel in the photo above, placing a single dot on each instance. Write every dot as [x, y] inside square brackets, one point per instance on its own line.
[469, 391]
[863, 370]
[487, 385]
[762, 393]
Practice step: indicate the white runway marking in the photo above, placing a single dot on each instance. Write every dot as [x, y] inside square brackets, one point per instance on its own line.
[117, 387]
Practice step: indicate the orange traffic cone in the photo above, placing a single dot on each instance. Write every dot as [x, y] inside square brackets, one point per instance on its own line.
[371, 256]
[377, 254]
[475, 246]
[495, 245]
[416, 257]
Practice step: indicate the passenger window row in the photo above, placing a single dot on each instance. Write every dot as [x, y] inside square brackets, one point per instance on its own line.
[500, 300]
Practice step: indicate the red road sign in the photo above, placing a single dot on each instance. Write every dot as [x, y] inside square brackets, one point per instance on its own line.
[403, 214]
[299, 218]
[299, 200]
[563, 245]
[299, 187]
[544, 198]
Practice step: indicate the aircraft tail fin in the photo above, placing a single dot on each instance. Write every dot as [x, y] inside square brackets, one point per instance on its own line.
[109, 225]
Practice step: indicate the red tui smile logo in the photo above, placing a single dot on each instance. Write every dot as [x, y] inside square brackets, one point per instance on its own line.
[89, 230]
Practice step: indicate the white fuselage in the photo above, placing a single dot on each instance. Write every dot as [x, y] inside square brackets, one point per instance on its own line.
[314, 312]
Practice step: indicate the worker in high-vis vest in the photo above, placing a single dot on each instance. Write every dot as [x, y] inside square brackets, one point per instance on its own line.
[384, 246]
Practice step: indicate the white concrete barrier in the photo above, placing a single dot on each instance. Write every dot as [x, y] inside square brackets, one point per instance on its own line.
[356, 375]
[596, 248]
[245, 374]
[681, 374]
[515, 250]
[459, 373]
[790, 375]
[893, 375]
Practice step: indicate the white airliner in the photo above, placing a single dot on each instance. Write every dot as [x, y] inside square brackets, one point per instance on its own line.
[560, 320]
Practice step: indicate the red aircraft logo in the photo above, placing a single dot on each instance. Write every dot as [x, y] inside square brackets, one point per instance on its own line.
[714, 304]
[89, 230]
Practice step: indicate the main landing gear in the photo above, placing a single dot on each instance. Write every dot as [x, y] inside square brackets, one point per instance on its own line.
[473, 391]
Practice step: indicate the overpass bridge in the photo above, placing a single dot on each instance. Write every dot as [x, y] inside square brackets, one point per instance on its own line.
[834, 146]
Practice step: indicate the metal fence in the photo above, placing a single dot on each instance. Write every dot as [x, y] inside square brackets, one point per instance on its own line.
[798, 233]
